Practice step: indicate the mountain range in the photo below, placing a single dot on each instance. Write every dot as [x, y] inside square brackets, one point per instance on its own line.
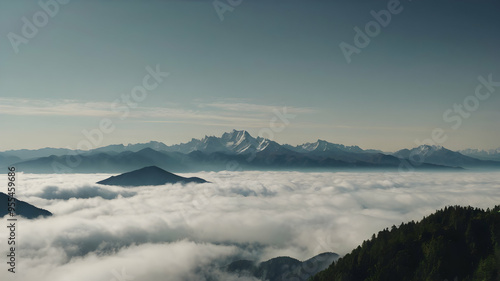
[236, 150]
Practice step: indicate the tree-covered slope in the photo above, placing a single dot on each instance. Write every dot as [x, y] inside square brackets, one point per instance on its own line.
[457, 243]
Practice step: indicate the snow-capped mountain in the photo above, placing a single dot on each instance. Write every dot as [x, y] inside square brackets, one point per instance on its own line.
[324, 146]
[269, 146]
[211, 144]
[240, 142]
[490, 154]
[422, 151]
[438, 155]
[235, 142]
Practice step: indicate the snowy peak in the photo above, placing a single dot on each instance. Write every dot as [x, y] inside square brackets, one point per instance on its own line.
[234, 142]
[324, 146]
[236, 136]
[435, 154]
[211, 144]
[239, 142]
[426, 149]
[489, 154]
[269, 146]
[480, 151]
[422, 151]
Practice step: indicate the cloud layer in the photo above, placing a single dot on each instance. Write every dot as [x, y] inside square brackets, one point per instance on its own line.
[187, 232]
[227, 113]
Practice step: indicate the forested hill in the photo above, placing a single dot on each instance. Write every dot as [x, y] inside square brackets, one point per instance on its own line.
[457, 243]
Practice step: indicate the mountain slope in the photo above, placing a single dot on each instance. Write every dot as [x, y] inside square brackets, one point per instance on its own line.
[456, 243]
[22, 208]
[148, 176]
[282, 268]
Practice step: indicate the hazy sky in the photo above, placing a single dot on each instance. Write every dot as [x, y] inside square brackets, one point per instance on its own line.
[235, 73]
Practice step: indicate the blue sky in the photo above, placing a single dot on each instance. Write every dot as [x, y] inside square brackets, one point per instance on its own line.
[235, 73]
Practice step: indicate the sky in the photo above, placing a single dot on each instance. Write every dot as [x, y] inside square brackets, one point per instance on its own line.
[189, 232]
[258, 65]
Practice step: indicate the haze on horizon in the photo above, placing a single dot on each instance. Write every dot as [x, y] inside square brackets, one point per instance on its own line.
[237, 73]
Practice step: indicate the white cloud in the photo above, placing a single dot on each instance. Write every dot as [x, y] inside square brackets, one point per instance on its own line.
[251, 107]
[34, 107]
[236, 114]
[188, 232]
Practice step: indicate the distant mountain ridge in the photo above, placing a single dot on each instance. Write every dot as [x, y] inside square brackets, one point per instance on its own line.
[491, 154]
[119, 148]
[441, 156]
[221, 153]
[282, 268]
[322, 146]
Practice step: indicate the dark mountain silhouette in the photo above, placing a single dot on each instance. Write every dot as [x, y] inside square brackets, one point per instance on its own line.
[22, 208]
[282, 268]
[148, 176]
[456, 243]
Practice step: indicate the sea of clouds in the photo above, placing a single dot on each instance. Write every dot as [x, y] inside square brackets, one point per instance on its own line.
[188, 232]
